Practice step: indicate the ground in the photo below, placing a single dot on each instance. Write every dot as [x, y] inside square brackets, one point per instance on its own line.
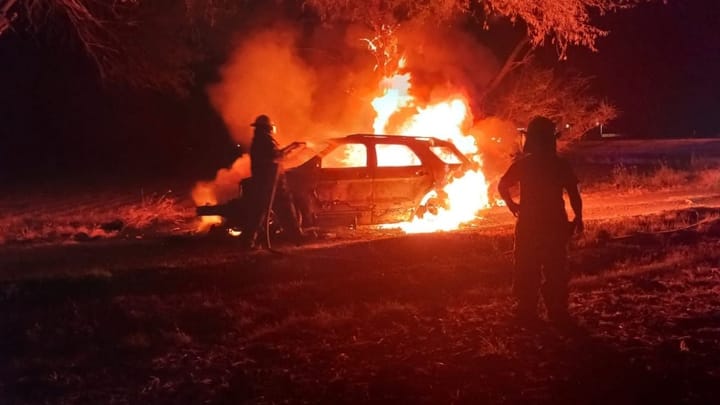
[161, 315]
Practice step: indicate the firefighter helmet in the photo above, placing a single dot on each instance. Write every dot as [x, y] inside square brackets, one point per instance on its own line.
[540, 136]
[262, 121]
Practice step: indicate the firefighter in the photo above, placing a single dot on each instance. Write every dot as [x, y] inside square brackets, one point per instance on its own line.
[268, 185]
[542, 230]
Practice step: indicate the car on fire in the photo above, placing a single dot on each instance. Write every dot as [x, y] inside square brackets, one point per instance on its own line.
[362, 179]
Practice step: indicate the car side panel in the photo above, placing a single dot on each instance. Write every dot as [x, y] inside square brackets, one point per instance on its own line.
[397, 192]
[343, 194]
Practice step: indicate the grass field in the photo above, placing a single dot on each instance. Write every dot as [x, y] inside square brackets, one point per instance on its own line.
[422, 318]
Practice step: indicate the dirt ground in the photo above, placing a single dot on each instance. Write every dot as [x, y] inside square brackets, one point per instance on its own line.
[363, 317]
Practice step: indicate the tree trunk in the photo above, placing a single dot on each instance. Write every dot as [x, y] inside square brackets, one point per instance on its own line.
[515, 59]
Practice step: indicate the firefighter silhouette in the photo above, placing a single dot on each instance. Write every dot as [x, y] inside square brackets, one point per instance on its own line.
[542, 230]
[268, 186]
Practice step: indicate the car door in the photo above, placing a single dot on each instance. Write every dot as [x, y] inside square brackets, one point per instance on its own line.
[400, 181]
[344, 185]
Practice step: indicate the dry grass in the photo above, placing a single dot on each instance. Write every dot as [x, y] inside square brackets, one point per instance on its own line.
[602, 231]
[156, 211]
[633, 179]
[86, 217]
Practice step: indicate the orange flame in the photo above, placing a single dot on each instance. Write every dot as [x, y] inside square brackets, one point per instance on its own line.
[467, 195]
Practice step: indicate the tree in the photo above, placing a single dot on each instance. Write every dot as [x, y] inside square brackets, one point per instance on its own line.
[155, 43]
[562, 22]
[566, 99]
[147, 44]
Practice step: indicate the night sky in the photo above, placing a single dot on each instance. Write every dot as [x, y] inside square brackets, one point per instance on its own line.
[660, 66]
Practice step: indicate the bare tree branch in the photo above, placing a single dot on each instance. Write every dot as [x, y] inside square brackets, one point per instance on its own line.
[567, 100]
[519, 56]
[561, 22]
[6, 16]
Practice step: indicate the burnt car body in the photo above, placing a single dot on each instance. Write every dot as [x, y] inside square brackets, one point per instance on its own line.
[362, 179]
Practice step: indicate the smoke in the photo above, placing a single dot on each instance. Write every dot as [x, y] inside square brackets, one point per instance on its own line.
[498, 140]
[225, 186]
[445, 62]
[312, 86]
[264, 76]
[308, 89]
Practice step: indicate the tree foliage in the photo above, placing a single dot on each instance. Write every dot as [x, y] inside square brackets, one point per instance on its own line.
[562, 22]
[155, 43]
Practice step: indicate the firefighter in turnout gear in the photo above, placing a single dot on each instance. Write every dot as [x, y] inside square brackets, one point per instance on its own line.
[268, 188]
[542, 230]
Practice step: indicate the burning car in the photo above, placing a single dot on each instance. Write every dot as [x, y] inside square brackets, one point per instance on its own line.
[362, 179]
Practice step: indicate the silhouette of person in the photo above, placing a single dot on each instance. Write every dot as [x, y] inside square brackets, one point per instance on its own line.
[268, 185]
[542, 230]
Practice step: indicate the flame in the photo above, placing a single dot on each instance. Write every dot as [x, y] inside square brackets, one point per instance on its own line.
[396, 96]
[222, 188]
[204, 194]
[466, 195]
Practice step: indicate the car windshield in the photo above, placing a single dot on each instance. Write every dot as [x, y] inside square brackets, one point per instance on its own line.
[298, 153]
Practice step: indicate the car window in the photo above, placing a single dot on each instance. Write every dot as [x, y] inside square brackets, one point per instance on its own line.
[345, 155]
[446, 154]
[393, 155]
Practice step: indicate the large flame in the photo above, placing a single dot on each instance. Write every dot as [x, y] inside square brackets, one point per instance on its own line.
[466, 195]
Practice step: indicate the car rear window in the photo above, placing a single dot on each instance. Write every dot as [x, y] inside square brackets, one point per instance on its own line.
[446, 154]
[345, 155]
[393, 155]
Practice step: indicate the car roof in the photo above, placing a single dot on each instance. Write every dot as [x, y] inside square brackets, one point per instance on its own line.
[393, 139]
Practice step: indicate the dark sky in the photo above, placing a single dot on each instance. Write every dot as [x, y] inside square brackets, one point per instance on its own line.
[660, 65]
